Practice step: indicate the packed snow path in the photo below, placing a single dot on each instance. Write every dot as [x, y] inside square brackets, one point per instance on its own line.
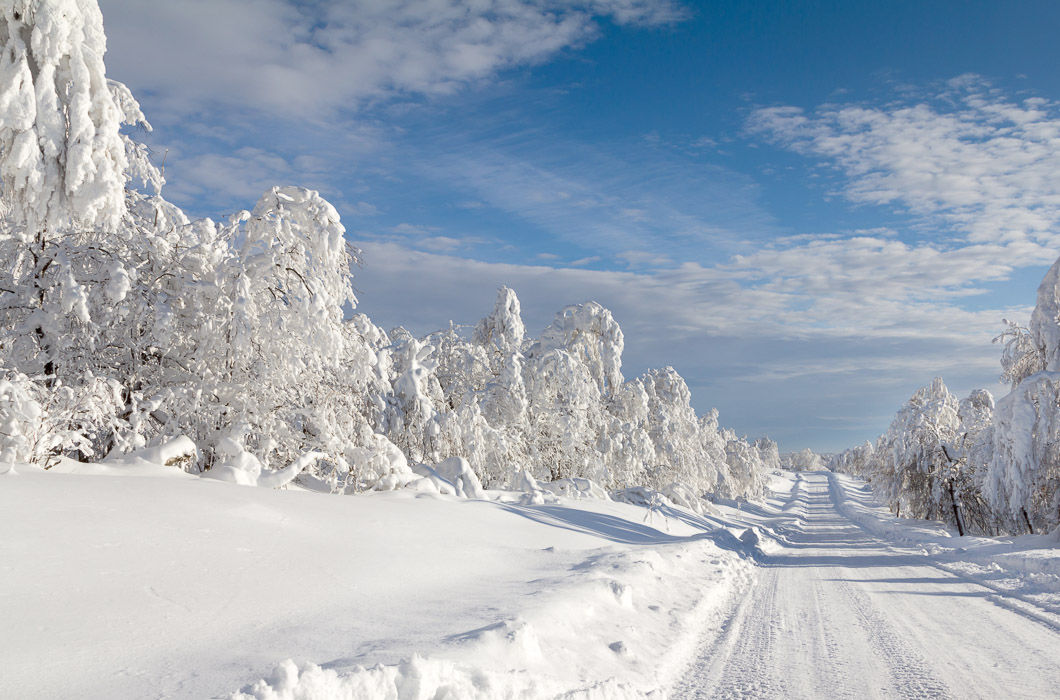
[838, 613]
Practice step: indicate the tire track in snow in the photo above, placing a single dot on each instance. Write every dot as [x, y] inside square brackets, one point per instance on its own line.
[715, 649]
[744, 673]
[910, 674]
[841, 613]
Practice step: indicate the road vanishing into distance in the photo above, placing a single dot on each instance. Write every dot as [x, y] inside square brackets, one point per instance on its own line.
[839, 613]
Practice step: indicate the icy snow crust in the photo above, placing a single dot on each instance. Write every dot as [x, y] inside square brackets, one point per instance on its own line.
[169, 585]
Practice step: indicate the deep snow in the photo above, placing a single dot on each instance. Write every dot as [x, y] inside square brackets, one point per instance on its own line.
[132, 580]
[166, 585]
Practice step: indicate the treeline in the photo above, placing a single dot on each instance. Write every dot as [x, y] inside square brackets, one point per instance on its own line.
[124, 324]
[983, 467]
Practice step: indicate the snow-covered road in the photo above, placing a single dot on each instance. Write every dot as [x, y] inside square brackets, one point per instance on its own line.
[839, 613]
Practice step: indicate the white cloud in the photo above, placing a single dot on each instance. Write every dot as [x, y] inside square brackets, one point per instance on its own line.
[642, 258]
[688, 301]
[407, 229]
[970, 157]
[242, 175]
[313, 59]
[604, 200]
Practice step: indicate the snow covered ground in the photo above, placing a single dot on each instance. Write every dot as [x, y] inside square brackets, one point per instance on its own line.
[140, 581]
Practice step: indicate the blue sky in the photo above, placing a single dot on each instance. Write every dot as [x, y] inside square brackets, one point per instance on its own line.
[809, 209]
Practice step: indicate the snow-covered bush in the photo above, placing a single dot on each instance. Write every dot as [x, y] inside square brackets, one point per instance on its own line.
[22, 421]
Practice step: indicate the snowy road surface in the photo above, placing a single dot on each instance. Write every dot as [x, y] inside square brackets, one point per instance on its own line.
[838, 613]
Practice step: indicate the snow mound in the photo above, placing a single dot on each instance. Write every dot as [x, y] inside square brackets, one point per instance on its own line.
[420, 678]
[682, 495]
[452, 476]
[536, 492]
[532, 491]
[611, 646]
[241, 467]
[178, 452]
[641, 496]
[167, 459]
[577, 489]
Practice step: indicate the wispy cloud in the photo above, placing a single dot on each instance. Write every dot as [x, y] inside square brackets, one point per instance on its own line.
[315, 59]
[606, 199]
[970, 157]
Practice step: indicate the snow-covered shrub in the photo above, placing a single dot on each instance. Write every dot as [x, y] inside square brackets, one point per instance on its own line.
[22, 420]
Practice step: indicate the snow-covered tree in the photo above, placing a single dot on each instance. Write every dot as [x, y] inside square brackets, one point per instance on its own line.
[976, 414]
[589, 333]
[62, 158]
[1018, 456]
[125, 324]
[857, 461]
[803, 460]
[912, 455]
[768, 453]
[746, 475]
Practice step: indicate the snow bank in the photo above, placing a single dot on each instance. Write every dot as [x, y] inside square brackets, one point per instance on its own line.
[621, 626]
[189, 588]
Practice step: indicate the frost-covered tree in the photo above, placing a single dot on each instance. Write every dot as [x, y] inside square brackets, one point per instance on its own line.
[768, 453]
[413, 422]
[857, 461]
[912, 455]
[965, 473]
[1018, 457]
[589, 333]
[65, 231]
[563, 417]
[746, 475]
[713, 444]
[803, 460]
[125, 324]
[62, 158]
[501, 335]
[1021, 474]
[673, 428]
[1021, 356]
[927, 464]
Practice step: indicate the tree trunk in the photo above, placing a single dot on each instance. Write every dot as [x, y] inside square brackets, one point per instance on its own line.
[1027, 520]
[956, 510]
